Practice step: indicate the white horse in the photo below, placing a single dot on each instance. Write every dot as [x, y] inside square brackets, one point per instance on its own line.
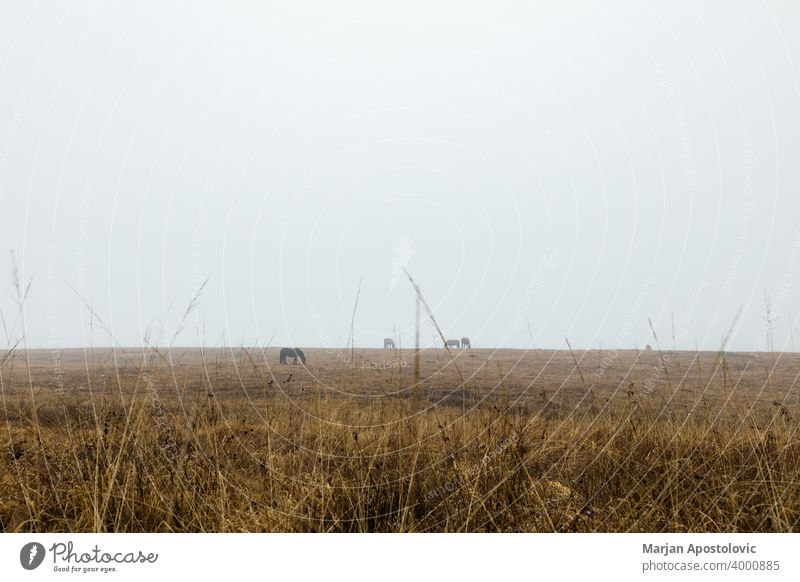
[452, 344]
[388, 343]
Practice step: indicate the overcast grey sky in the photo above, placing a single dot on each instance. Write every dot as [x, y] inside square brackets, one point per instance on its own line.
[542, 169]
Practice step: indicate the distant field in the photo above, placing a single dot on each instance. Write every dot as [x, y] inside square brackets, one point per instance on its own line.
[487, 440]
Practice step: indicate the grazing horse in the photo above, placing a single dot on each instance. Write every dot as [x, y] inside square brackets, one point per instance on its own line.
[292, 353]
[452, 344]
[465, 343]
[388, 343]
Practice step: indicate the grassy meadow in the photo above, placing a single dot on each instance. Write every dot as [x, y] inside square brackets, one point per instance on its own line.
[227, 440]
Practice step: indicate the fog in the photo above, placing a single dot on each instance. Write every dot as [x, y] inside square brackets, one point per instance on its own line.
[186, 173]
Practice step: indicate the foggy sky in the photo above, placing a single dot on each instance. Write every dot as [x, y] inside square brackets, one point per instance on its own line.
[543, 170]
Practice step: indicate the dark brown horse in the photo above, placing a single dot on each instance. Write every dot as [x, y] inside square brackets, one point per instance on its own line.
[292, 353]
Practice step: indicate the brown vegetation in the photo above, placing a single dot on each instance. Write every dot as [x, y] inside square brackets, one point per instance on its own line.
[227, 440]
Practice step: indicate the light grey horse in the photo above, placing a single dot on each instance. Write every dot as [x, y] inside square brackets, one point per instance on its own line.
[388, 343]
[465, 343]
[452, 344]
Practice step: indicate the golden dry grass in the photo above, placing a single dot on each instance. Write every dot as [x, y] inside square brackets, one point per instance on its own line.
[227, 440]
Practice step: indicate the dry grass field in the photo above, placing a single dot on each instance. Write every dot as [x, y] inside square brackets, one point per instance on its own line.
[487, 441]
